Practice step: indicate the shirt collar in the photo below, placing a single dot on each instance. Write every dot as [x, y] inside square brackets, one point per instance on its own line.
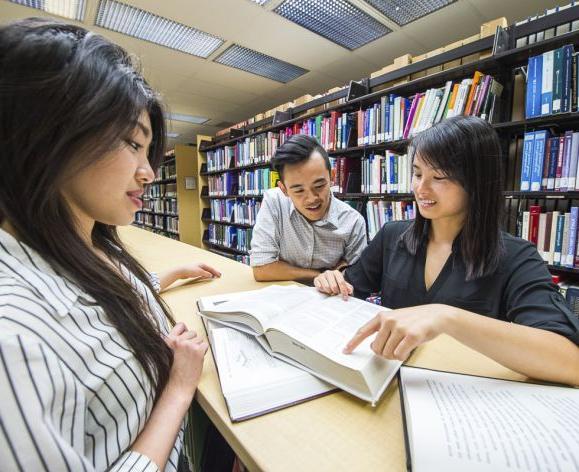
[31, 269]
[330, 219]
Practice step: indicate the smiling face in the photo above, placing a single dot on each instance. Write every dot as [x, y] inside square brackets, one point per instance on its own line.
[438, 197]
[308, 185]
[109, 190]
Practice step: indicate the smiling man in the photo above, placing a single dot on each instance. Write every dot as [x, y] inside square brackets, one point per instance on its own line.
[301, 228]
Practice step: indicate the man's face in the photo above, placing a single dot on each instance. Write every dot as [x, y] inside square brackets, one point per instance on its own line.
[308, 185]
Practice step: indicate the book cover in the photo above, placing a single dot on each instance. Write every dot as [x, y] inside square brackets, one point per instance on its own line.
[570, 255]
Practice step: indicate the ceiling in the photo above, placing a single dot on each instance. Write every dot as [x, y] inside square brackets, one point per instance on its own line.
[200, 87]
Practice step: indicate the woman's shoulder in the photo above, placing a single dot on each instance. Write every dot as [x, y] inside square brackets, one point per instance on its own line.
[391, 233]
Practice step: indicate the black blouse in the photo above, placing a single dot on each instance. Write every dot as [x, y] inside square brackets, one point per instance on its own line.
[520, 291]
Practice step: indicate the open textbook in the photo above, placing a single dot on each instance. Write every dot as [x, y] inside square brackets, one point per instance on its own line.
[254, 382]
[309, 330]
[461, 422]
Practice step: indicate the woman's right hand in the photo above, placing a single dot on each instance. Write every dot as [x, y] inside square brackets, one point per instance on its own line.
[188, 353]
[332, 282]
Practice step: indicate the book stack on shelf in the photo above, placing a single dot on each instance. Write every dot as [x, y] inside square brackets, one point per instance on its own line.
[159, 213]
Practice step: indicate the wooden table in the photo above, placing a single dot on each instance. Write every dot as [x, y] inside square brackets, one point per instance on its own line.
[334, 433]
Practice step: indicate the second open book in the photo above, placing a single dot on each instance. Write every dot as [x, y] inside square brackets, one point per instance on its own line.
[309, 330]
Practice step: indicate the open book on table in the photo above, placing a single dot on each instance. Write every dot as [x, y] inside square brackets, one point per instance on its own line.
[457, 422]
[253, 382]
[309, 330]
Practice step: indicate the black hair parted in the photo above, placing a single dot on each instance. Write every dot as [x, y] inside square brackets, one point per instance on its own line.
[298, 148]
[467, 150]
[68, 97]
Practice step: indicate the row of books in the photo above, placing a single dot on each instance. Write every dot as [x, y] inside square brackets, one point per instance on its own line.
[160, 190]
[395, 118]
[159, 205]
[549, 163]
[160, 222]
[554, 233]
[379, 212]
[549, 32]
[167, 171]
[235, 211]
[252, 150]
[390, 173]
[250, 182]
[552, 82]
[229, 236]
[171, 235]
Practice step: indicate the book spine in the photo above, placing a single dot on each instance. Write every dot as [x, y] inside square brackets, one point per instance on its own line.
[538, 157]
[546, 165]
[567, 76]
[559, 239]
[526, 166]
[570, 256]
[553, 237]
[557, 80]
[534, 212]
[525, 225]
[547, 84]
[566, 161]
[560, 157]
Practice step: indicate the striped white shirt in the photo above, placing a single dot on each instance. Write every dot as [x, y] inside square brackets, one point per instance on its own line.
[72, 394]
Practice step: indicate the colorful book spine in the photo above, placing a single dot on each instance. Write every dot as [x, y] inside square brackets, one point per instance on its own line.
[538, 157]
[526, 168]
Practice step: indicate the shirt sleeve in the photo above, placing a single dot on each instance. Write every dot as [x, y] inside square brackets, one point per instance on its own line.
[42, 413]
[532, 299]
[155, 281]
[357, 242]
[366, 274]
[265, 237]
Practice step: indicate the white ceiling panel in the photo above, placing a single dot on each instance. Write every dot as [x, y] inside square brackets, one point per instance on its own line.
[204, 88]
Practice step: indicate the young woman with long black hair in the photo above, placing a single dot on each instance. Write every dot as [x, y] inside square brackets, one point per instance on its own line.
[92, 376]
[452, 264]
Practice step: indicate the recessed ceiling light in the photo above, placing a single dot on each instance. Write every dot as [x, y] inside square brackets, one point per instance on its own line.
[143, 25]
[336, 20]
[197, 120]
[73, 9]
[403, 12]
[259, 64]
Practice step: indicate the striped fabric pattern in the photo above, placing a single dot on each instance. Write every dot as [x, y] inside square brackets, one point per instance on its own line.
[72, 395]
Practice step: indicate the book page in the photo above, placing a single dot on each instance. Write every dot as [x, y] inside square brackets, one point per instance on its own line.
[470, 423]
[264, 304]
[251, 379]
[326, 325]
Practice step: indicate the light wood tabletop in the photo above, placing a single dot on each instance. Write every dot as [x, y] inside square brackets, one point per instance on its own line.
[337, 432]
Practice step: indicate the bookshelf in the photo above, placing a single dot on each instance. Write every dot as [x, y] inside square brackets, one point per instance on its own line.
[503, 66]
[167, 203]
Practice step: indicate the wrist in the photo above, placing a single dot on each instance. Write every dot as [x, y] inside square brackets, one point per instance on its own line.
[180, 397]
[450, 318]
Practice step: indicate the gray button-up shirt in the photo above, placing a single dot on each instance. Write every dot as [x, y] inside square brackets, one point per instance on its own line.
[281, 232]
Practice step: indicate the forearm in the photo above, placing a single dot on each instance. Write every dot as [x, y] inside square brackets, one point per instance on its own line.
[533, 352]
[281, 270]
[158, 437]
[167, 277]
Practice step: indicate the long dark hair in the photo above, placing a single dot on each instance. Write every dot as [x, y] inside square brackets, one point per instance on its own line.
[67, 98]
[467, 150]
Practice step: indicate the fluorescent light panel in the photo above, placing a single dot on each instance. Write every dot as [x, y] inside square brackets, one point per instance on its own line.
[173, 135]
[260, 2]
[196, 120]
[72, 9]
[141, 24]
[336, 20]
[403, 12]
[259, 64]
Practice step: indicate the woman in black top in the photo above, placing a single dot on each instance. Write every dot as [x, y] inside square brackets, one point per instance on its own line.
[453, 263]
